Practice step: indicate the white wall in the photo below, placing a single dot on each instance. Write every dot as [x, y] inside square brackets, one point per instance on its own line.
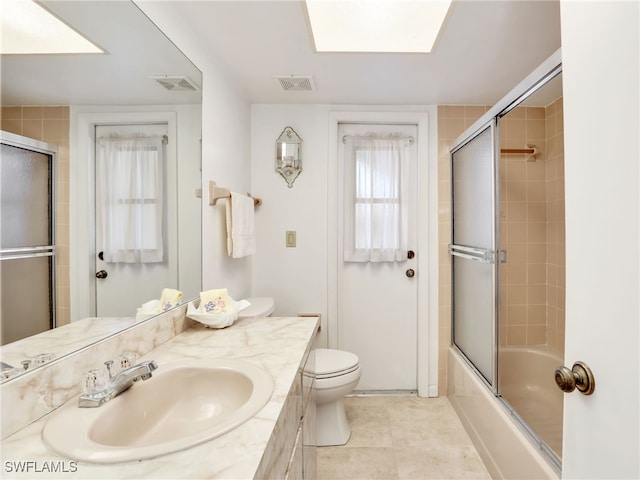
[295, 277]
[225, 149]
[226, 160]
[189, 125]
[300, 278]
[601, 65]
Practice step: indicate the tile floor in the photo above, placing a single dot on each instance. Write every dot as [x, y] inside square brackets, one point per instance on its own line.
[402, 437]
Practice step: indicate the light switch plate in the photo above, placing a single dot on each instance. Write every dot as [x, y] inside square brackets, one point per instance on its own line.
[291, 238]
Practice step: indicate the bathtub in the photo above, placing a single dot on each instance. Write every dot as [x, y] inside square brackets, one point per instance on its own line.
[527, 384]
[504, 445]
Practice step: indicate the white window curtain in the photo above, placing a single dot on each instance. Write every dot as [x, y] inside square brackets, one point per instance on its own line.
[129, 197]
[376, 196]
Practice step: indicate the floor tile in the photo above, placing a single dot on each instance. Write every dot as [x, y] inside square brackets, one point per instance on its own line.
[401, 437]
[439, 463]
[356, 463]
[370, 425]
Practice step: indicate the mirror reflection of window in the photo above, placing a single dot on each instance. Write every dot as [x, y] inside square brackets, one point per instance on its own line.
[129, 187]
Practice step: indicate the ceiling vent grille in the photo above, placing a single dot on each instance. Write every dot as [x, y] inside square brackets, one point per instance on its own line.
[296, 83]
[178, 83]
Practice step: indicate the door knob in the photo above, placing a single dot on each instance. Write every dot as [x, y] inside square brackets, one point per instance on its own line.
[411, 273]
[580, 376]
[101, 274]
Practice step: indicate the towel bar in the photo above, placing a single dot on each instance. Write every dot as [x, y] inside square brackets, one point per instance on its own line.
[216, 193]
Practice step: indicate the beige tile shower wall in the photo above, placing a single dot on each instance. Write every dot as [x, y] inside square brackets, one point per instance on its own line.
[452, 122]
[523, 229]
[555, 227]
[532, 214]
[51, 125]
[532, 229]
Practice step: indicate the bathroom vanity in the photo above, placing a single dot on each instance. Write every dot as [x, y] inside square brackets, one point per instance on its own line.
[275, 443]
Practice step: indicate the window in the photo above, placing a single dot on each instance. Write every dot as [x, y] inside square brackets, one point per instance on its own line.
[375, 199]
[129, 180]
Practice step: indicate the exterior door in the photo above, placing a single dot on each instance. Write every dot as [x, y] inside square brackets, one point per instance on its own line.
[119, 289]
[377, 301]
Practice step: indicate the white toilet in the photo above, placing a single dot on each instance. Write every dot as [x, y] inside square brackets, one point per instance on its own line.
[337, 374]
[260, 307]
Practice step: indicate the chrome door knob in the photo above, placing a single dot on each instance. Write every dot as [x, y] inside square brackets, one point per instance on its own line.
[411, 273]
[101, 274]
[579, 377]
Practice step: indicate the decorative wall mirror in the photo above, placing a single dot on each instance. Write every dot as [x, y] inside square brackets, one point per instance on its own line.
[288, 158]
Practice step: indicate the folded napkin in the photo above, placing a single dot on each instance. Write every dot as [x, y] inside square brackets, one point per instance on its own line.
[170, 298]
[217, 309]
[152, 307]
[215, 301]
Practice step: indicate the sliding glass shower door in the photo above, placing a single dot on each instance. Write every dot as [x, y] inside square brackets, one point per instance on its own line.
[473, 251]
[27, 250]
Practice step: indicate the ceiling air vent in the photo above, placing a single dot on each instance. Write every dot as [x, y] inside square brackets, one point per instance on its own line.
[178, 83]
[296, 83]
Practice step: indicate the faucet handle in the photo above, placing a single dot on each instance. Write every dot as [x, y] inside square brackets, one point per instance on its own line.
[127, 360]
[94, 381]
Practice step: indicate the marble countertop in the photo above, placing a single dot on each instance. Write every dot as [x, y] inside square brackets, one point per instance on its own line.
[278, 344]
[65, 339]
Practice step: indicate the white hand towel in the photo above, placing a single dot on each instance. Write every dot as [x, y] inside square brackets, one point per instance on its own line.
[241, 239]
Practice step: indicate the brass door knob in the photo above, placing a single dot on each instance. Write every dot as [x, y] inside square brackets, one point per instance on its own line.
[411, 273]
[579, 377]
[101, 274]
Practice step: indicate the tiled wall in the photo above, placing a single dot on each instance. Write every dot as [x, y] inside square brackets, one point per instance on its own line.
[532, 226]
[555, 227]
[51, 125]
[532, 221]
[523, 223]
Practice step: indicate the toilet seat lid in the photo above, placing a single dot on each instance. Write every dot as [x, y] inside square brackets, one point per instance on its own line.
[260, 307]
[329, 361]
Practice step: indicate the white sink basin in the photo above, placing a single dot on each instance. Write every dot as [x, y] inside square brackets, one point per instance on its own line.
[182, 405]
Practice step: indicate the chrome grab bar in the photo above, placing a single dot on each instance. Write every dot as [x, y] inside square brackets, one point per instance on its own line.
[27, 252]
[482, 255]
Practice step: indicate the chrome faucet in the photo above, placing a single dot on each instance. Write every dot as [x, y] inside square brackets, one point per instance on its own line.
[118, 383]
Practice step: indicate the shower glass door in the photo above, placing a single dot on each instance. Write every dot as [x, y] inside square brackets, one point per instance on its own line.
[473, 252]
[27, 250]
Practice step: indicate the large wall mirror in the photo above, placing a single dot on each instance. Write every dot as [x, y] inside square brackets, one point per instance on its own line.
[142, 85]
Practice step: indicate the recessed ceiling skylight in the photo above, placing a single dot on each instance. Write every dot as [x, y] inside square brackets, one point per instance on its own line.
[28, 28]
[402, 26]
